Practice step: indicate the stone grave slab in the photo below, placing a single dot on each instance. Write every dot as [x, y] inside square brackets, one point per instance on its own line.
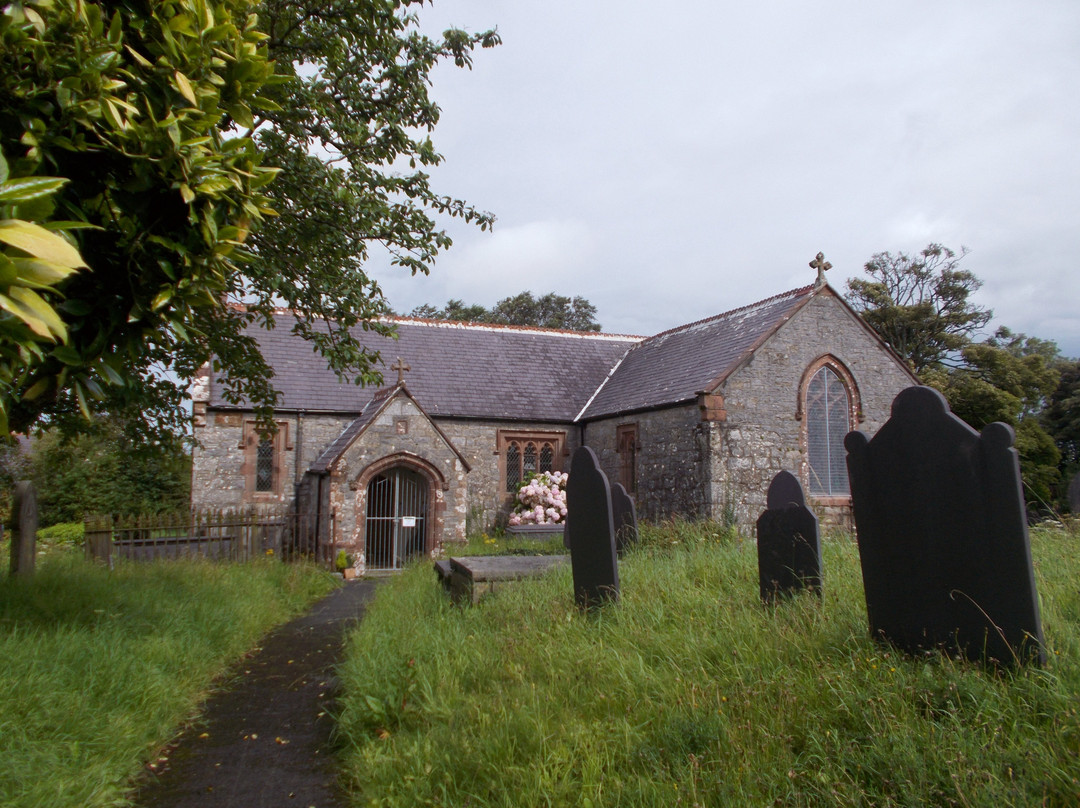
[943, 538]
[624, 517]
[24, 515]
[789, 547]
[590, 530]
[469, 578]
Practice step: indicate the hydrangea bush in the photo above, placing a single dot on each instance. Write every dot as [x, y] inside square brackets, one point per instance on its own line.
[541, 500]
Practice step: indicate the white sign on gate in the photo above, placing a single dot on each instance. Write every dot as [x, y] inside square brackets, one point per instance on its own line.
[408, 521]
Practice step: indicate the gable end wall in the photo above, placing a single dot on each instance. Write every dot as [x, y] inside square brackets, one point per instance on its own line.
[761, 434]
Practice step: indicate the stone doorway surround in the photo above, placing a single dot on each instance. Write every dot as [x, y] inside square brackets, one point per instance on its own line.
[403, 466]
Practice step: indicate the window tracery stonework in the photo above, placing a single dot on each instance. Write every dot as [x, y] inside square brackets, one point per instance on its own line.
[523, 452]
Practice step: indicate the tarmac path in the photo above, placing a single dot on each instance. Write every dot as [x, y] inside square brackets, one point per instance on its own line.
[263, 740]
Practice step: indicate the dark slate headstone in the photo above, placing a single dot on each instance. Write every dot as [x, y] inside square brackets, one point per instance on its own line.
[624, 516]
[943, 537]
[1074, 494]
[590, 531]
[789, 550]
[24, 515]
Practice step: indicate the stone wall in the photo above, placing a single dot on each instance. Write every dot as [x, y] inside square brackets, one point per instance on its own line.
[671, 472]
[217, 474]
[761, 431]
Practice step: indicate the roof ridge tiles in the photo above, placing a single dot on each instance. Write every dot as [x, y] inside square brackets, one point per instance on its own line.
[525, 329]
[802, 290]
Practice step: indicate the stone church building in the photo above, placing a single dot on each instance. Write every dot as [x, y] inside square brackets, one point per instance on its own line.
[693, 422]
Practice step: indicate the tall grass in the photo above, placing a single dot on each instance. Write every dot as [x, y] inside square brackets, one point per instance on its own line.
[690, 692]
[99, 668]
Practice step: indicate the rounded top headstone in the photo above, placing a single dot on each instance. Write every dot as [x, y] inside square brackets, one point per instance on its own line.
[784, 490]
[919, 400]
[998, 436]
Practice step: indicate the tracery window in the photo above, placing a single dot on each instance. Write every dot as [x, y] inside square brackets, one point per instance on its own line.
[264, 466]
[828, 415]
[525, 452]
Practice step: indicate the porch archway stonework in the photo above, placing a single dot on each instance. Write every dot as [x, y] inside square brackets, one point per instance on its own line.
[436, 499]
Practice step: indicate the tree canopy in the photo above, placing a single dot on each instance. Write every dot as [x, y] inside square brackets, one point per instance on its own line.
[161, 126]
[919, 303]
[548, 311]
[920, 306]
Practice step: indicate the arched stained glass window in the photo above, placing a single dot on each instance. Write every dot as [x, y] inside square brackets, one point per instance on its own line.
[828, 420]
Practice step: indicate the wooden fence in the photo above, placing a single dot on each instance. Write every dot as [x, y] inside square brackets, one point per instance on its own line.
[216, 535]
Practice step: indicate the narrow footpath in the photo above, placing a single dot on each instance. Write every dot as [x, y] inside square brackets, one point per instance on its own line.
[262, 741]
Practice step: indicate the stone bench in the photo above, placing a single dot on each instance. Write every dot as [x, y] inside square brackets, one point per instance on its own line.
[471, 577]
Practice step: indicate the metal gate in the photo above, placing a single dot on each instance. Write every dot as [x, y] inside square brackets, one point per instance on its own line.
[396, 529]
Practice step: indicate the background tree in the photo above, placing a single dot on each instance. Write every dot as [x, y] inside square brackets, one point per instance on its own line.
[549, 311]
[1009, 378]
[1062, 421]
[454, 309]
[107, 469]
[150, 113]
[919, 303]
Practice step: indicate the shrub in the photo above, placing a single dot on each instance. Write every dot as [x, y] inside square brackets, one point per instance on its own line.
[63, 533]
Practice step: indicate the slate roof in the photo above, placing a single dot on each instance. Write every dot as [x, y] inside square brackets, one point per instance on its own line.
[468, 370]
[458, 369]
[678, 364]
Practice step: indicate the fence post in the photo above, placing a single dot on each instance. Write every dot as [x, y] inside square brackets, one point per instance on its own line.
[24, 514]
[98, 541]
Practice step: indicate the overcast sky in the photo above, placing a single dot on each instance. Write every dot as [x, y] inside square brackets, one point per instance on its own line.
[673, 162]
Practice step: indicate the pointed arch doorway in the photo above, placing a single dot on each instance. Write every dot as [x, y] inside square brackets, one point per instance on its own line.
[396, 523]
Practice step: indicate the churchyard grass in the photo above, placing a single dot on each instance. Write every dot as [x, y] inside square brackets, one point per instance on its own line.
[690, 692]
[100, 668]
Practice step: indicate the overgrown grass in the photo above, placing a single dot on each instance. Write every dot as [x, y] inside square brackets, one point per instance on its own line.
[690, 692]
[99, 668]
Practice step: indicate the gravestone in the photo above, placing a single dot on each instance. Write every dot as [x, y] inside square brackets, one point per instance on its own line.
[24, 516]
[590, 530]
[1074, 494]
[624, 517]
[943, 538]
[789, 549]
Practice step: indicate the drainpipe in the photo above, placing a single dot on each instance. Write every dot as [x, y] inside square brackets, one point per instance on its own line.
[298, 472]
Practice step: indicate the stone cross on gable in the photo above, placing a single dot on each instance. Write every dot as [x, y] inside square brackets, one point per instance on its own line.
[400, 367]
[822, 266]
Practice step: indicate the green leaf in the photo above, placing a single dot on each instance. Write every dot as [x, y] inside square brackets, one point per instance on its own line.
[67, 355]
[162, 298]
[32, 302]
[35, 272]
[184, 86]
[39, 242]
[112, 114]
[26, 188]
[26, 314]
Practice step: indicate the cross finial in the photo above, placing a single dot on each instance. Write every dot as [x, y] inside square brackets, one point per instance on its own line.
[822, 266]
[400, 367]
